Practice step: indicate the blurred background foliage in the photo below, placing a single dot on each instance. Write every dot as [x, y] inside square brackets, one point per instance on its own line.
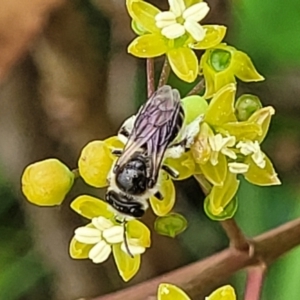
[83, 47]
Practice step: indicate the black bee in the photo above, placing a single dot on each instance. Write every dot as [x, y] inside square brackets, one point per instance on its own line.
[149, 135]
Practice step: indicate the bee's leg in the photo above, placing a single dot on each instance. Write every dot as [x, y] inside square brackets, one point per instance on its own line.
[159, 196]
[117, 152]
[172, 172]
[124, 132]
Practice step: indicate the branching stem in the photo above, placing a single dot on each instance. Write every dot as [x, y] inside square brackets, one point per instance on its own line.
[200, 278]
[165, 72]
[255, 279]
[197, 88]
[235, 235]
[150, 77]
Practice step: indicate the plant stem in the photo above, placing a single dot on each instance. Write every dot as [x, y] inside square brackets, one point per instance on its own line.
[76, 173]
[150, 77]
[165, 72]
[235, 235]
[197, 88]
[255, 279]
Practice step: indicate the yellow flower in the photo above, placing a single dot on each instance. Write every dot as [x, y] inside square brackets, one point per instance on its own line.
[47, 182]
[223, 293]
[220, 64]
[104, 236]
[167, 291]
[174, 33]
[226, 147]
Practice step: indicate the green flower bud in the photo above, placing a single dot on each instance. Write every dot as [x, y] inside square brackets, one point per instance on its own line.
[246, 105]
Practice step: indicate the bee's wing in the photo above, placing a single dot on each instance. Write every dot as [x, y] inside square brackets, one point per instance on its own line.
[153, 127]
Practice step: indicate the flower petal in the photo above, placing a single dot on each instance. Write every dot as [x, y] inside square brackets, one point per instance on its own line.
[114, 235]
[168, 291]
[221, 107]
[134, 247]
[184, 165]
[201, 149]
[102, 223]
[196, 12]
[79, 250]
[173, 31]
[184, 63]
[148, 45]
[138, 230]
[262, 117]
[113, 143]
[95, 163]
[177, 7]
[224, 78]
[144, 14]
[238, 168]
[127, 266]
[220, 196]
[213, 36]
[241, 130]
[91, 207]
[244, 68]
[100, 252]
[195, 30]
[223, 293]
[163, 207]
[87, 235]
[263, 177]
[164, 19]
[209, 77]
[215, 174]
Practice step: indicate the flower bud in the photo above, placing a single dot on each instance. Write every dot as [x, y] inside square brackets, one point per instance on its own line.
[95, 163]
[47, 182]
[246, 105]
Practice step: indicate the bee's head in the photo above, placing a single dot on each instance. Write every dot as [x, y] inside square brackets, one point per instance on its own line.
[131, 178]
[125, 205]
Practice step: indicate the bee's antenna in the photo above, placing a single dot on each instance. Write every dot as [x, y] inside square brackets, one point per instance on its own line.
[125, 239]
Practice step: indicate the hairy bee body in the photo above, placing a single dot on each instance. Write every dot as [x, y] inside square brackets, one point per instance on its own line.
[148, 136]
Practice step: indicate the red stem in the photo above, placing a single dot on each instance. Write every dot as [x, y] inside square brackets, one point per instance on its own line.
[255, 279]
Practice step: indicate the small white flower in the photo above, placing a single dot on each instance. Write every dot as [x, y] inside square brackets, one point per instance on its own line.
[249, 147]
[238, 168]
[103, 235]
[220, 144]
[179, 19]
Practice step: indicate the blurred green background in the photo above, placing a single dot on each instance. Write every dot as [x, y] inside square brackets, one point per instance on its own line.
[267, 30]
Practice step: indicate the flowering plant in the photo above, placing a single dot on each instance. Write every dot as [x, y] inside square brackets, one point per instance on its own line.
[218, 139]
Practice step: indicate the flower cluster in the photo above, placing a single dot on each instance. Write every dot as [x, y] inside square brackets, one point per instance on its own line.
[104, 235]
[47, 182]
[167, 291]
[177, 33]
[228, 144]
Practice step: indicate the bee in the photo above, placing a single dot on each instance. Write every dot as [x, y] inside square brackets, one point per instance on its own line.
[150, 136]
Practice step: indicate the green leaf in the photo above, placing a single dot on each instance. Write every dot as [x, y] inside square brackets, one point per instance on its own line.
[170, 225]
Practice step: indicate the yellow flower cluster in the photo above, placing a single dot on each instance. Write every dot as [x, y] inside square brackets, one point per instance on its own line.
[227, 146]
[177, 33]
